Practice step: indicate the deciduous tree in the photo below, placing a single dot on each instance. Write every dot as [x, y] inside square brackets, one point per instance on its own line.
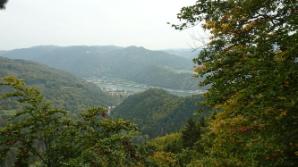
[251, 65]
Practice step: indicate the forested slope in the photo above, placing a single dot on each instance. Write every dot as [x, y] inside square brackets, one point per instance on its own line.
[157, 112]
[60, 87]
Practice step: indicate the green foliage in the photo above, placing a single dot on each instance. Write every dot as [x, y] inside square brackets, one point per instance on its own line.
[191, 133]
[38, 134]
[251, 65]
[157, 112]
[32, 128]
[169, 143]
[169, 150]
[163, 159]
[104, 142]
[163, 150]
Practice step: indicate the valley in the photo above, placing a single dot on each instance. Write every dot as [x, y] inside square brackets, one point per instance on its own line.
[124, 88]
[118, 71]
[135, 64]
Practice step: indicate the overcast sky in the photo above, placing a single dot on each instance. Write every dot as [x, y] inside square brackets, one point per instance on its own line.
[26, 23]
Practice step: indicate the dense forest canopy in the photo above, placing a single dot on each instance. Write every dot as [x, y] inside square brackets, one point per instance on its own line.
[156, 112]
[42, 135]
[251, 63]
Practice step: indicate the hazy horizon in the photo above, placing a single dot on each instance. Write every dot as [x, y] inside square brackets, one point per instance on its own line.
[95, 23]
[81, 45]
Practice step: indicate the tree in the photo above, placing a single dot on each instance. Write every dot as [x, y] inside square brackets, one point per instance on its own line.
[104, 142]
[191, 133]
[32, 130]
[251, 65]
[2, 3]
[38, 134]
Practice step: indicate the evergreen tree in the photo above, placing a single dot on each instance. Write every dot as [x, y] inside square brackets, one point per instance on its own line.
[191, 133]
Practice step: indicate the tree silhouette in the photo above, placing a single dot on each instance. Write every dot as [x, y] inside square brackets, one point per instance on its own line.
[2, 4]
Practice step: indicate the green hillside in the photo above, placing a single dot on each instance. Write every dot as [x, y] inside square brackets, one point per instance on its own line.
[62, 88]
[157, 112]
[154, 68]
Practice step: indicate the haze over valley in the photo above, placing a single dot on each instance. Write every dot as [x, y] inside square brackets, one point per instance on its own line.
[116, 70]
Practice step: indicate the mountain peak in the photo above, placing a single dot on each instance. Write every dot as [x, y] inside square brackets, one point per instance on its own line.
[136, 47]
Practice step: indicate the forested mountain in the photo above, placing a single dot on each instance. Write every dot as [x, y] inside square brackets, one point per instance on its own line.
[155, 68]
[185, 53]
[157, 112]
[60, 87]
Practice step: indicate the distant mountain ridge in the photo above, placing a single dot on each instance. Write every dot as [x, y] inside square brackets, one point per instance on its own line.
[185, 53]
[137, 64]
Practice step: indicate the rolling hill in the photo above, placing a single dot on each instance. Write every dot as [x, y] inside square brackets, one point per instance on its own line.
[154, 68]
[64, 89]
[157, 112]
